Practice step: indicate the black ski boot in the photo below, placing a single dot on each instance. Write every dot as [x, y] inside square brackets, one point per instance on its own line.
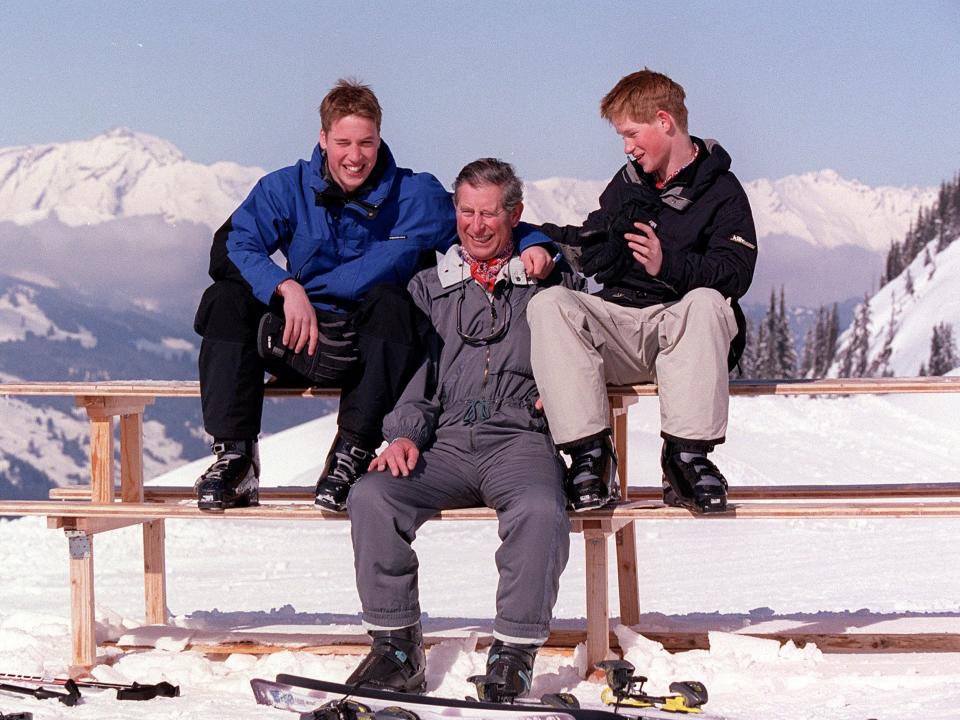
[346, 463]
[692, 481]
[591, 481]
[234, 478]
[509, 672]
[396, 661]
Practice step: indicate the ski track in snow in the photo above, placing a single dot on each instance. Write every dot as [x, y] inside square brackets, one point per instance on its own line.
[821, 575]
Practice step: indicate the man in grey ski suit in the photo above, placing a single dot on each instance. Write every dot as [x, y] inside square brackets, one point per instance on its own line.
[467, 432]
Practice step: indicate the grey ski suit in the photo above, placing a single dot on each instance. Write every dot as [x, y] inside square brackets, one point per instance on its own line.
[470, 411]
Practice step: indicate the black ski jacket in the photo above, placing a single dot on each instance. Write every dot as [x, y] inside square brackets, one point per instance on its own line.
[704, 223]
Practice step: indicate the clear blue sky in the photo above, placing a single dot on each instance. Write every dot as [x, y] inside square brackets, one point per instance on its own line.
[870, 89]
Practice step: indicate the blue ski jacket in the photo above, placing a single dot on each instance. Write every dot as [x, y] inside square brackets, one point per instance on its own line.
[337, 246]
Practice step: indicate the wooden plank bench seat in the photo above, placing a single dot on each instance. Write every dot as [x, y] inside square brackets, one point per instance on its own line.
[102, 506]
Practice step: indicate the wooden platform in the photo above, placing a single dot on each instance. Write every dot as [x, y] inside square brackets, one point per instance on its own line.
[105, 505]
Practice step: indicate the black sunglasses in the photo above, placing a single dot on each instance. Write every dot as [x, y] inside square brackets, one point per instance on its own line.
[498, 330]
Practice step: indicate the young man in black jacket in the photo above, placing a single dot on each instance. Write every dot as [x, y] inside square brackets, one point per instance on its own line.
[674, 247]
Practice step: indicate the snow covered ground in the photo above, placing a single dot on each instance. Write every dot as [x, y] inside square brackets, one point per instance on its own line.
[821, 575]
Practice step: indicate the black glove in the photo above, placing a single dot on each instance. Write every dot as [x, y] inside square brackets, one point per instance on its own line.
[614, 260]
[633, 211]
[605, 256]
[336, 353]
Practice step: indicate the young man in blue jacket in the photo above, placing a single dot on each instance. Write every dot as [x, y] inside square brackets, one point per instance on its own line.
[353, 228]
[674, 246]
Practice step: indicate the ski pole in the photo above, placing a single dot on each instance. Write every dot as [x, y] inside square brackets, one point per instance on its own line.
[134, 691]
[69, 698]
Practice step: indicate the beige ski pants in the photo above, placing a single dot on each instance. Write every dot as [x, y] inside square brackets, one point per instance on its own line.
[580, 343]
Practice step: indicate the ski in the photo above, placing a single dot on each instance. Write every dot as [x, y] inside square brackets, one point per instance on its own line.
[562, 706]
[312, 704]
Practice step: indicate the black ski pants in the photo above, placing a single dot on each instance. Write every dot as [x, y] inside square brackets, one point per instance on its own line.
[390, 331]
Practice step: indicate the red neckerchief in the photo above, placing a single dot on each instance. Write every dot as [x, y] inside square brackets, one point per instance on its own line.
[485, 271]
[688, 163]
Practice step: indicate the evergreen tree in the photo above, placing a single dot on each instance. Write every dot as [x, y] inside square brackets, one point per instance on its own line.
[776, 356]
[943, 350]
[826, 334]
[767, 366]
[880, 367]
[894, 264]
[759, 369]
[853, 361]
[833, 334]
[786, 351]
[748, 361]
[808, 358]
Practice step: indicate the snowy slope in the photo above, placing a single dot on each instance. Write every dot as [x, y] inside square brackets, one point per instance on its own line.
[819, 575]
[934, 299]
[115, 175]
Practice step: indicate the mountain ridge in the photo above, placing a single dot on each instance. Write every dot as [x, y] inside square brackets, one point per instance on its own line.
[123, 173]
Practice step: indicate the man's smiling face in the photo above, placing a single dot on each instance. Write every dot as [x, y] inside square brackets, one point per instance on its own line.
[351, 147]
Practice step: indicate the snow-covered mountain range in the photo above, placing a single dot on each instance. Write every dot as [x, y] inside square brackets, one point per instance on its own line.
[119, 174]
[122, 174]
[819, 208]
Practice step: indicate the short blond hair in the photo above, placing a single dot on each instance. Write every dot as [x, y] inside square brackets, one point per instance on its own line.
[640, 95]
[349, 97]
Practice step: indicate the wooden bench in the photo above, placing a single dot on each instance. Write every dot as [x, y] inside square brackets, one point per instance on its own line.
[83, 512]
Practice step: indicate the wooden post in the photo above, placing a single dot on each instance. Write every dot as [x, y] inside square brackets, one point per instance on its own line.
[131, 457]
[626, 543]
[101, 459]
[598, 607]
[154, 573]
[102, 410]
[82, 606]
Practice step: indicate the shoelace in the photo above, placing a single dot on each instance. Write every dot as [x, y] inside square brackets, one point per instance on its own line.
[345, 469]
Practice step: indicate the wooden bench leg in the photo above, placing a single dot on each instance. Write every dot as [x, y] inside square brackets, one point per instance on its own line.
[83, 619]
[626, 540]
[626, 536]
[154, 573]
[598, 607]
[101, 459]
[131, 457]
